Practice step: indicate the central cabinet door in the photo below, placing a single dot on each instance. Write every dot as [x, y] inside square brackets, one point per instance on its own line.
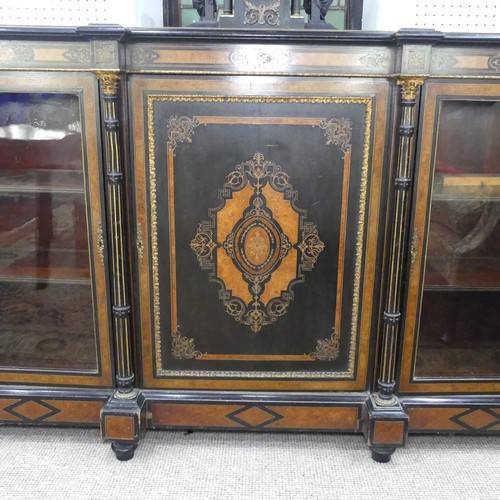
[258, 214]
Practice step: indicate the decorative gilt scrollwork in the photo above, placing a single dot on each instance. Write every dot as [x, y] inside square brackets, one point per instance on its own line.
[144, 55]
[237, 181]
[338, 131]
[13, 51]
[262, 14]
[410, 87]
[100, 242]
[203, 245]
[183, 347]
[78, 55]
[105, 52]
[443, 61]
[414, 249]
[139, 242]
[311, 246]
[494, 62]
[180, 129]
[273, 58]
[327, 349]
[375, 59]
[109, 82]
[416, 59]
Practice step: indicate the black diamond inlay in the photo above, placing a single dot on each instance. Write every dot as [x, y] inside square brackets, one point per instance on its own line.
[458, 419]
[273, 416]
[51, 411]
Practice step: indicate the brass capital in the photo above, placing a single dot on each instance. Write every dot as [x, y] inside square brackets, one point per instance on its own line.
[410, 87]
[109, 81]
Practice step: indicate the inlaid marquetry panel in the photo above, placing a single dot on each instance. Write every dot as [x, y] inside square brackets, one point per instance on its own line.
[465, 61]
[456, 419]
[50, 55]
[258, 244]
[258, 263]
[255, 416]
[38, 410]
[259, 58]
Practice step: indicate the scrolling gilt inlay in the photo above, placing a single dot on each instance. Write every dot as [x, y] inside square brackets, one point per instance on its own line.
[180, 129]
[104, 52]
[337, 132]
[260, 59]
[100, 242]
[414, 249]
[327, 349]
[375, 59]
[268, 247]
[443, 61]
[494, 62]
[140, 242]
[416, 59]
[78, 55]
[12, 51]
[183, 347]
[144, 55]
[260, 13]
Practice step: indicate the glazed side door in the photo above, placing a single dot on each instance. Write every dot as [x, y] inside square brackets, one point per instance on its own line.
[54, 326]
[451, 333]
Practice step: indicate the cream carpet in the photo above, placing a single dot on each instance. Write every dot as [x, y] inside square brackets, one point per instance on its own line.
[39, 463]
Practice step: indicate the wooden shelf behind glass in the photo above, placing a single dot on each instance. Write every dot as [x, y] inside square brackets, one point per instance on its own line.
[41, 181]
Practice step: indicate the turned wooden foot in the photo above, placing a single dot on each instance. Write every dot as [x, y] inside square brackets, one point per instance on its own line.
[123, 451]
[382, 455]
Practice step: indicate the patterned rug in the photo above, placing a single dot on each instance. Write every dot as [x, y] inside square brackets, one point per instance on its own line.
[51, 327]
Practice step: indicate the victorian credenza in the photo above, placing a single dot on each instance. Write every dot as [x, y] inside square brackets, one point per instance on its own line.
[241, 230]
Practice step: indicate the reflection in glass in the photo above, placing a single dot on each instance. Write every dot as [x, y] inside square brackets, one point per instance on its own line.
[460, 319]
[45, 290]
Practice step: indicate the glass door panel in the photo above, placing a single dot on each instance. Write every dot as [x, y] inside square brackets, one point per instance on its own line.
[46, 303]
[451, 337]
[460, 318]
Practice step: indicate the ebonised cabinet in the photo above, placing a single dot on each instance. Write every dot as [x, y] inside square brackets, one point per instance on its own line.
[213, 229]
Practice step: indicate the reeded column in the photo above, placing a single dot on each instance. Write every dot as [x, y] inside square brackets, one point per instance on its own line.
[109, 82]
[122, 417]
[404, 175]
[386, 422]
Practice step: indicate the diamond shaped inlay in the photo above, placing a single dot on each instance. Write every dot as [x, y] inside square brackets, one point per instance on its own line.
[478, 419]
[32, 410]
[254, 416]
